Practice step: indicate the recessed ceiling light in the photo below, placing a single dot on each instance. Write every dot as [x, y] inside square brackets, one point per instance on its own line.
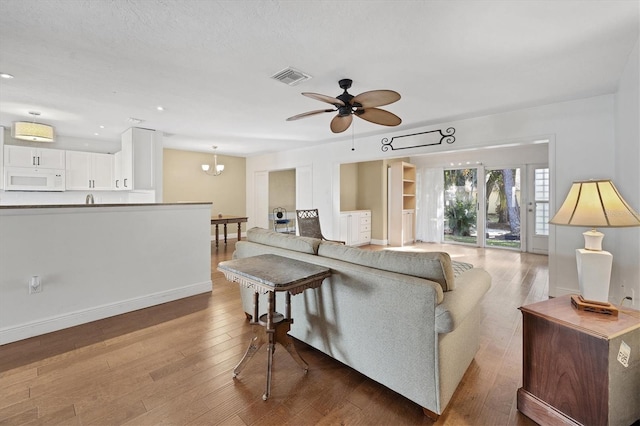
[160, 108]
[96, 134]
[5, 75]
[135, 120]
[101, 126]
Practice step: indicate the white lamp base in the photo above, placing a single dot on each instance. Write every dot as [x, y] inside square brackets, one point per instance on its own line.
[593, 240]
[594, 274]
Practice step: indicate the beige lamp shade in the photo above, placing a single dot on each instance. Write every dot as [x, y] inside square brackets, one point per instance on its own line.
[595, 204]
[30, 131]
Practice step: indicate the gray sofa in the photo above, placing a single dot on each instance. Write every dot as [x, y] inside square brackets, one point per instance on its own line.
[408, 320]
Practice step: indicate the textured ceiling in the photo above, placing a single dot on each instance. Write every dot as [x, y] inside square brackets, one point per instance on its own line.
[84, 64]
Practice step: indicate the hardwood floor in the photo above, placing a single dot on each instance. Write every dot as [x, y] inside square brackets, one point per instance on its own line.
[171, 364]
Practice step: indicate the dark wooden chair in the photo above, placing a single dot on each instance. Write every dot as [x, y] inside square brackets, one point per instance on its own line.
[309, 224]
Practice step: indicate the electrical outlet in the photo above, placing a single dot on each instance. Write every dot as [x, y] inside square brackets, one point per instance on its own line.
[35, 285]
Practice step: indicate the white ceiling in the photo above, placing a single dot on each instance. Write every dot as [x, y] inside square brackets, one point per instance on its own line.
[83, 64]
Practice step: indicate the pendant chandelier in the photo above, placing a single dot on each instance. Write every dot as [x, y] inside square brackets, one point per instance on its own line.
[217, 169]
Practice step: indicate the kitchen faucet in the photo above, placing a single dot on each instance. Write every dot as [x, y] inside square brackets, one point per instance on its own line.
[89, 199]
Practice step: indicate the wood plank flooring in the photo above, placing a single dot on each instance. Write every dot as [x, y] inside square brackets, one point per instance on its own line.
[171, 364]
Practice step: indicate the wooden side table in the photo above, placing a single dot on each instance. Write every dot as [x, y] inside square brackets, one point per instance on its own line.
[269, 273]
[224, 220]
[572, 372]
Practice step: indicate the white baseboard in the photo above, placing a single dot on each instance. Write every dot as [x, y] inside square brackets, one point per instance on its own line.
[379, 242]
[71, 319]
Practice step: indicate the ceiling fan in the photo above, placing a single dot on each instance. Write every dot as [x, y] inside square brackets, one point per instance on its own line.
[363, 105]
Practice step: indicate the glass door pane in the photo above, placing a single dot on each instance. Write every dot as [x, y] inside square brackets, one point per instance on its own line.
[502, 189]
[460, 206]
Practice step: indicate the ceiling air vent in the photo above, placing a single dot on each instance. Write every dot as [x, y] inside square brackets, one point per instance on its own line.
[291, 76]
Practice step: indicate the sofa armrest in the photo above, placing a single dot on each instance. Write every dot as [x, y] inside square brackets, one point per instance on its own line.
[457, 304]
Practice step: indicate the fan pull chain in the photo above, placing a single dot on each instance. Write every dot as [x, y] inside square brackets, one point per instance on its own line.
[353, 125]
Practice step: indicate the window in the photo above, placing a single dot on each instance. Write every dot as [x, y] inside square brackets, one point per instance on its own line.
[541, 199]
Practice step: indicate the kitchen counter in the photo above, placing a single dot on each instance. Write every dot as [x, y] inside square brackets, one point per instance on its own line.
[97, 260]
[55, 206]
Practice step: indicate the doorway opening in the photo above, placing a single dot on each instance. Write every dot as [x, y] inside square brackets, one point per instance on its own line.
[282, 201]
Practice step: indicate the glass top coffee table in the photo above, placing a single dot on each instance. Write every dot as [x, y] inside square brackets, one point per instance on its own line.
[270, 273]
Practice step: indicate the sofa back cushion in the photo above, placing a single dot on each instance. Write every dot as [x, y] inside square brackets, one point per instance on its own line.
[285, 241]
[434, 266]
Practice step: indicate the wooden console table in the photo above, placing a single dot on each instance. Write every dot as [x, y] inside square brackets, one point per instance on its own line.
[223, 220]
[269, 273]
[572, 372]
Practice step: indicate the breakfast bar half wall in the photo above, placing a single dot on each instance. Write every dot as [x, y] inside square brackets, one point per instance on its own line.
[97, 261]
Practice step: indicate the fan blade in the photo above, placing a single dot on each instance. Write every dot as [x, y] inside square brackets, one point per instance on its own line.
[308, 114]
[324, 98]
[340, 123]
[378, 116]
[376, 98]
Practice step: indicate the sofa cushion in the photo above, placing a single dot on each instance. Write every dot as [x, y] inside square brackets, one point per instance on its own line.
[434, 266]
[285, 241]
[460, 267]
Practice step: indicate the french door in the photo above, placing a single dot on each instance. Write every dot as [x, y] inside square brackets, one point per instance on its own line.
[510, 210]
[538, 209]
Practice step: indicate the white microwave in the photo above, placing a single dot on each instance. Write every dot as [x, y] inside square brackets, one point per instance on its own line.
[33, 179]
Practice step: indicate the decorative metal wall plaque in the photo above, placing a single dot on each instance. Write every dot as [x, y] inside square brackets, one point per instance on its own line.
[416, 140]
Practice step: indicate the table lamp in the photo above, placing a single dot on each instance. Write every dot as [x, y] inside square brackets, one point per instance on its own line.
[595, 204]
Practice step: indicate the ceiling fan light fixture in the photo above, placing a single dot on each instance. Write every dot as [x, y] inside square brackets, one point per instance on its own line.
[363, 106]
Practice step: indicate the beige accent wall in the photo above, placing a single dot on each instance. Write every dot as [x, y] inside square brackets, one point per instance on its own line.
[349, 187]
[184, 180]
[282, 190]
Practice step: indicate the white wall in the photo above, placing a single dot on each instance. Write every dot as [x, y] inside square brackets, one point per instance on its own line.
[581, 134]
[626, 269]
[96, 262]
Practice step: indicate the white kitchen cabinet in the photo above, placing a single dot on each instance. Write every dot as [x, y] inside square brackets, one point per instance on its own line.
[136, 161]
[117, 171]
[25, 156]
[89, 170]
[355, 227]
